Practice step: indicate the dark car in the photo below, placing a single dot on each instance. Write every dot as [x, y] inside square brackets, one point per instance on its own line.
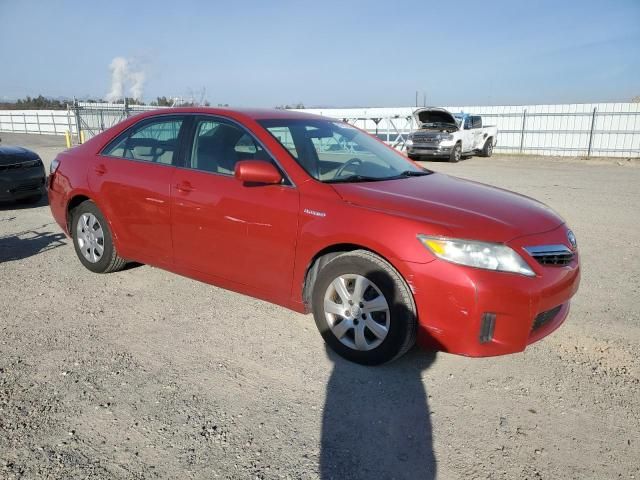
[22, 174]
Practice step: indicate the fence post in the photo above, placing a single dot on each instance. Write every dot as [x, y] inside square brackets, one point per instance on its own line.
[53, 120]
[24, 120]
[38, 122]
[524, 121]
[69, 119]
[593, 122]
[76, 109]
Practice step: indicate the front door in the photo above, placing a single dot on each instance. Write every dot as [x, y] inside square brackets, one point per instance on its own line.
[243, 233]
[467, 135]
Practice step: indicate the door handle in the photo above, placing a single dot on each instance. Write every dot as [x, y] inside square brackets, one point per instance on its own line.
[101, 169]
[184, 187]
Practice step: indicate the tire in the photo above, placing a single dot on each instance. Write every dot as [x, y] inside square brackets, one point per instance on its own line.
[373, 335]
[487, 150]
[93, 241]
[456, 153]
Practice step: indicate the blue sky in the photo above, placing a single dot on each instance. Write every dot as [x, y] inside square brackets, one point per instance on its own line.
[342, 53]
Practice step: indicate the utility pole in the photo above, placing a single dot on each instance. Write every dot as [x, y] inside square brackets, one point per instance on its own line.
[416, 98]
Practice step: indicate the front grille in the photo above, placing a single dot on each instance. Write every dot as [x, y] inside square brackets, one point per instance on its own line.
[424, 137]
[545, 317]
[16, 166]
[554, 255]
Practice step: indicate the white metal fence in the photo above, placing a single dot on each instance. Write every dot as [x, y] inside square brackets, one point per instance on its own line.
[602, 129]
[599, 129]
[43, 122]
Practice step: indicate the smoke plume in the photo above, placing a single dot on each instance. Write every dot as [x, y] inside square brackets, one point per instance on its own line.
[125, 75]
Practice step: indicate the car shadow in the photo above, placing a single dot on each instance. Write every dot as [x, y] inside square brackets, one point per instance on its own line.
[376, 421]
[28, 243]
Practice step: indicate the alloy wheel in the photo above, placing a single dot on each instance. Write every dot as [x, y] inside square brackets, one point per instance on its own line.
[90, 237]
[357, 312]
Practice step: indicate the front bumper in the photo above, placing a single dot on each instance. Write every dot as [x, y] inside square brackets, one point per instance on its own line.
[429, 151]
[22, 183]
[454, 303]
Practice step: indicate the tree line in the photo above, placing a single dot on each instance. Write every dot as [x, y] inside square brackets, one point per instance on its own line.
[45, 103]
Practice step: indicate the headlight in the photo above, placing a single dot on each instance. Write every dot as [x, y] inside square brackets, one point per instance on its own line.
[31, 163]
[490, 256]
[409, 142]
[445, 137]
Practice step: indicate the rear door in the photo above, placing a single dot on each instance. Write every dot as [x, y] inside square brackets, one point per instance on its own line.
[222, 227]
[131, 179]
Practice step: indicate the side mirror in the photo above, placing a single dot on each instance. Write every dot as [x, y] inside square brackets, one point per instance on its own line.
[257, 171]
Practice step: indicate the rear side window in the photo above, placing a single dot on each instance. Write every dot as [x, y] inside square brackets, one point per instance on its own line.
[218, 146]
[152, 141]
[477, 122]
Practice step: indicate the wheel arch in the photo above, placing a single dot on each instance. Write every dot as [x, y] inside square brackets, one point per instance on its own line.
[324, 256]
[73, 202]
[77, 199]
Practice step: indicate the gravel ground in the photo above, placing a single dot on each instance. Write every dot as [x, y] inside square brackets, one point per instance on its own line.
[146, 374]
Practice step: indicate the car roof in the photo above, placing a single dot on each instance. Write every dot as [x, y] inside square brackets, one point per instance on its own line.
[251, 113]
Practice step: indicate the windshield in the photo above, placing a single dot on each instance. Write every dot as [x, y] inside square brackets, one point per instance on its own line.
[337, 152]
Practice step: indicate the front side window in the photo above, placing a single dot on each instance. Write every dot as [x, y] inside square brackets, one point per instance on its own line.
[332, 151]
[218, 146]
[152, 141]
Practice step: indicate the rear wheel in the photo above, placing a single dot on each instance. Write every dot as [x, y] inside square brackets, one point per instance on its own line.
[456, 153]
[487, 151]
[93, 241]
[363, 308]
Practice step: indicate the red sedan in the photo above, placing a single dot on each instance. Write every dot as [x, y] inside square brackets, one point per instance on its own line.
[318, 216]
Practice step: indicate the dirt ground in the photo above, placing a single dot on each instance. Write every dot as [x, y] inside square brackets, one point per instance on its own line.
[145, 374]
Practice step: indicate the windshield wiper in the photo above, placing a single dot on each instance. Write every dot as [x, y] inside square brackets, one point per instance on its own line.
[356, 178]
[363, 178]
[414, 173]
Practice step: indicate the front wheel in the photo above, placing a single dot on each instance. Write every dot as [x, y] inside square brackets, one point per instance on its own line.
[363, 308]
[456, 153]
[93, 241]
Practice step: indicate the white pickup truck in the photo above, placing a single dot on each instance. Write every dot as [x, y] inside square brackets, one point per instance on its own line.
[446, 135]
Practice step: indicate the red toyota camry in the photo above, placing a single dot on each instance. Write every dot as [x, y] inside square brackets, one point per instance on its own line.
[318, 216]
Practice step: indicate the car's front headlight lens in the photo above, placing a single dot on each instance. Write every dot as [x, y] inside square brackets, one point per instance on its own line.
[490, 256]
[32, 163]
[445, 136]
[409, 142]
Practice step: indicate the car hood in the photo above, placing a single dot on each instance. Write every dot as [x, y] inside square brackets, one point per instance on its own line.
[431, 114]
[9, 154]
[455, 207]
